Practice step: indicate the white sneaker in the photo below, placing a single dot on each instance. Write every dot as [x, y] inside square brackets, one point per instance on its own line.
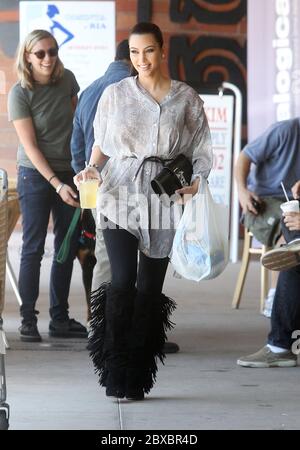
[267, 311]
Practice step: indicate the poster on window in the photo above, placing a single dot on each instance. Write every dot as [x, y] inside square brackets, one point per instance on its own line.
[219, 112]
[85, 32]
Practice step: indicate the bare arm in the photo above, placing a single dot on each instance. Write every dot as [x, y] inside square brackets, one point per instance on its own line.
[296, 190]
[246, 197]
[26, 134]
[97, 159]
[188, 191]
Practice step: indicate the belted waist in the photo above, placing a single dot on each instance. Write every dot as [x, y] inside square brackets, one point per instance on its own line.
[156, 159]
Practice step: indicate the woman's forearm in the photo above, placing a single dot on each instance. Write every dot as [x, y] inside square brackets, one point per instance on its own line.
[41, 164]
[26, 135]
[97, 157]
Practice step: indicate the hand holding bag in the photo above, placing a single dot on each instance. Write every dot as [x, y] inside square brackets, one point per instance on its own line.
[200, 246]
[175, 175]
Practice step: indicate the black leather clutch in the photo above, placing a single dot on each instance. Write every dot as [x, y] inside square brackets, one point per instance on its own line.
[175, 175]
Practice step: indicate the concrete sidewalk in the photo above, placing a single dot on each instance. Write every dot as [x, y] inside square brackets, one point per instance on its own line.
[52, 386]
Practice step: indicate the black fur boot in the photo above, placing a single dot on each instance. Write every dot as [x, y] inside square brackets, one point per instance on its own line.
[109, 338]
[97, 332]
[148, 335]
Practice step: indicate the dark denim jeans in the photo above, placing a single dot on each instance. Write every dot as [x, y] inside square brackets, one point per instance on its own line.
[285, 316]
[37, 199]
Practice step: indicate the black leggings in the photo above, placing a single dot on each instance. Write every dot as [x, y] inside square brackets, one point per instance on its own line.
[122, 249]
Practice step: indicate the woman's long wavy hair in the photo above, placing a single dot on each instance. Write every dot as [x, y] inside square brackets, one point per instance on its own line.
[23, 67]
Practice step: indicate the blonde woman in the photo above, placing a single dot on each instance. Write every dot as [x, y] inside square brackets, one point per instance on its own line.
[41, 106]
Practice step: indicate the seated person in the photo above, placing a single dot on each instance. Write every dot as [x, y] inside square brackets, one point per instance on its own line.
[281, 349]
[273, 157]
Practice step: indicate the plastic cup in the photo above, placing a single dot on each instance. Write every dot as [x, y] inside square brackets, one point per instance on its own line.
[88, 193]
[292, 206]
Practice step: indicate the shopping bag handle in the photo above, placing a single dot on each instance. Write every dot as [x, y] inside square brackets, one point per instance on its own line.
[65, 246]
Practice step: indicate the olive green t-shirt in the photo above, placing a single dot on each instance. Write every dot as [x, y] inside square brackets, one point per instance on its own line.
[50, 108]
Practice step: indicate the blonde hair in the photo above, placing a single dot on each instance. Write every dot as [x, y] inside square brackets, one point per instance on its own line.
[23, 67]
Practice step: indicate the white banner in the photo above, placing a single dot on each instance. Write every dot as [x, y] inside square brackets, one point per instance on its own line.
[219, 112]
[273, 63]
[85, 32]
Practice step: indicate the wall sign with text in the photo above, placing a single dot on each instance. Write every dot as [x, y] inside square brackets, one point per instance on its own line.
[219, 112]
[85, 32]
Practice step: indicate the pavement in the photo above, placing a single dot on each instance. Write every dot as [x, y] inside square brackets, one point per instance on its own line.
[52, 385]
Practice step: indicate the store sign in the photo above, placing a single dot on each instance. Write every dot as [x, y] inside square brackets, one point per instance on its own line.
[219, 112]
[273, 63]
[85, 32]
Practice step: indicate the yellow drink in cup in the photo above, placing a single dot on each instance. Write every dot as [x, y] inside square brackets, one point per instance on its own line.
[88, 193]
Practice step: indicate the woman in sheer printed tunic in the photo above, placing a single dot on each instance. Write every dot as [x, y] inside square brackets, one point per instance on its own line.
[142, 116]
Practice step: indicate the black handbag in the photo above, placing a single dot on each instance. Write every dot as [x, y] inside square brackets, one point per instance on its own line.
[176, 174]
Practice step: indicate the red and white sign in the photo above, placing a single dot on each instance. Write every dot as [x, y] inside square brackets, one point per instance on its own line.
[219, 112]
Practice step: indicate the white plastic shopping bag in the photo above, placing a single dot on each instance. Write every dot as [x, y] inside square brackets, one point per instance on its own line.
[200, 247]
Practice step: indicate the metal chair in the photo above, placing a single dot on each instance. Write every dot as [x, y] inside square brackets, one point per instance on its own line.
[248, 250]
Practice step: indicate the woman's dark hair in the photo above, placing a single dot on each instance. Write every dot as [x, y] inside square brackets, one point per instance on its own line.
[122, 51]
[148, 28]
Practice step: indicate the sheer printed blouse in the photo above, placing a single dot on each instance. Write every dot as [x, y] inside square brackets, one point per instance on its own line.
[129, 126]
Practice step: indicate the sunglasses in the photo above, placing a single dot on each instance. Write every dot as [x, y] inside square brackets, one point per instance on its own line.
[40, 54]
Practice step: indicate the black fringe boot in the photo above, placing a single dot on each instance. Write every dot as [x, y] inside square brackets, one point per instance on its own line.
[148, 334]
[108, 340]
[97, 332]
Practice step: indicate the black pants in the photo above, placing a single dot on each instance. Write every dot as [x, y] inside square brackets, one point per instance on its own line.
[148, 274]
[136, 314]
[285, 316]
